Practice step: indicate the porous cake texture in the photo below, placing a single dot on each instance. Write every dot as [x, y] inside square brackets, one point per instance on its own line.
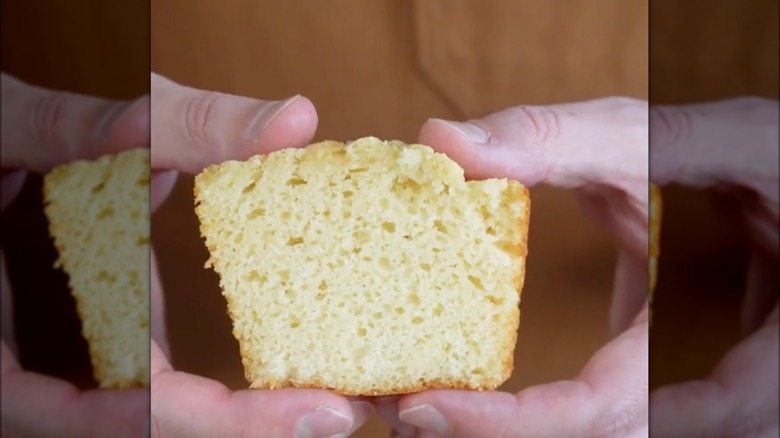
[98, 215]
[369, 268]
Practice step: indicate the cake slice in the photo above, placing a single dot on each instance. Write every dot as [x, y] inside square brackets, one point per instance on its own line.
[98, 215]
[371, 268]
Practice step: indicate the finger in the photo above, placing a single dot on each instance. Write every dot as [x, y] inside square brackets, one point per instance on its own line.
[362, 411]
[727, 142]
[192, 129]
[38, 405]
[730, 145]
[159, 328]
[43, 128]
[161, 186]
[602, 142]
[188, 405]
[760, 293]
[740, 398]
[609, 398]
[7, 332]
[387, 408]
[748, 212]
[630, 229]
[10, 187]
[599, 147]
[630, 294]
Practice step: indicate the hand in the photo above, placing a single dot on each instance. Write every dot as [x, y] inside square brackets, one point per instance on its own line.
[41, 129]
[192, 129]
[731, 147]
[599, 149]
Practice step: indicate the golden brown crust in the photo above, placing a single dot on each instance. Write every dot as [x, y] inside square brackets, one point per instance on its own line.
[390, 390]
[522, 193]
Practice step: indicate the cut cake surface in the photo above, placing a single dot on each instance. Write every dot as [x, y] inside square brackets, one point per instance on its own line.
[98, 215]
[370, 268]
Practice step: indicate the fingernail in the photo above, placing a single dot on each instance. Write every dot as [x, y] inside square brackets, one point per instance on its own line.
[266, 116]
[322, 422]
[426, 417]
[130, 128]
[132, 109]
[470, 131]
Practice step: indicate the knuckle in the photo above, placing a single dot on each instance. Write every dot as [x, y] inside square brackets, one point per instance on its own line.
[544, 123]
[197, 116]
[669, 125]
[47, 116]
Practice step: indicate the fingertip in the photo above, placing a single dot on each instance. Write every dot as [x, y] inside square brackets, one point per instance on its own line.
[431, 132]
[387, 408]
[293, 126]
[161, 186]
[445, 399]
[310, 412]
[442, 136]
[132, 128]
[470, 413]
[299, 401]
[362, 411]
[12, 183]
[461, 142]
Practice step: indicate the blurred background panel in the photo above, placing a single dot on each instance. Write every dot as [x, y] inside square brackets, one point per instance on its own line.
[83, 46]
[703, 51]
[382, 68]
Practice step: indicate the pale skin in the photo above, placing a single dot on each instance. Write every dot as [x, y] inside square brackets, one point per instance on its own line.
[597, 148]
